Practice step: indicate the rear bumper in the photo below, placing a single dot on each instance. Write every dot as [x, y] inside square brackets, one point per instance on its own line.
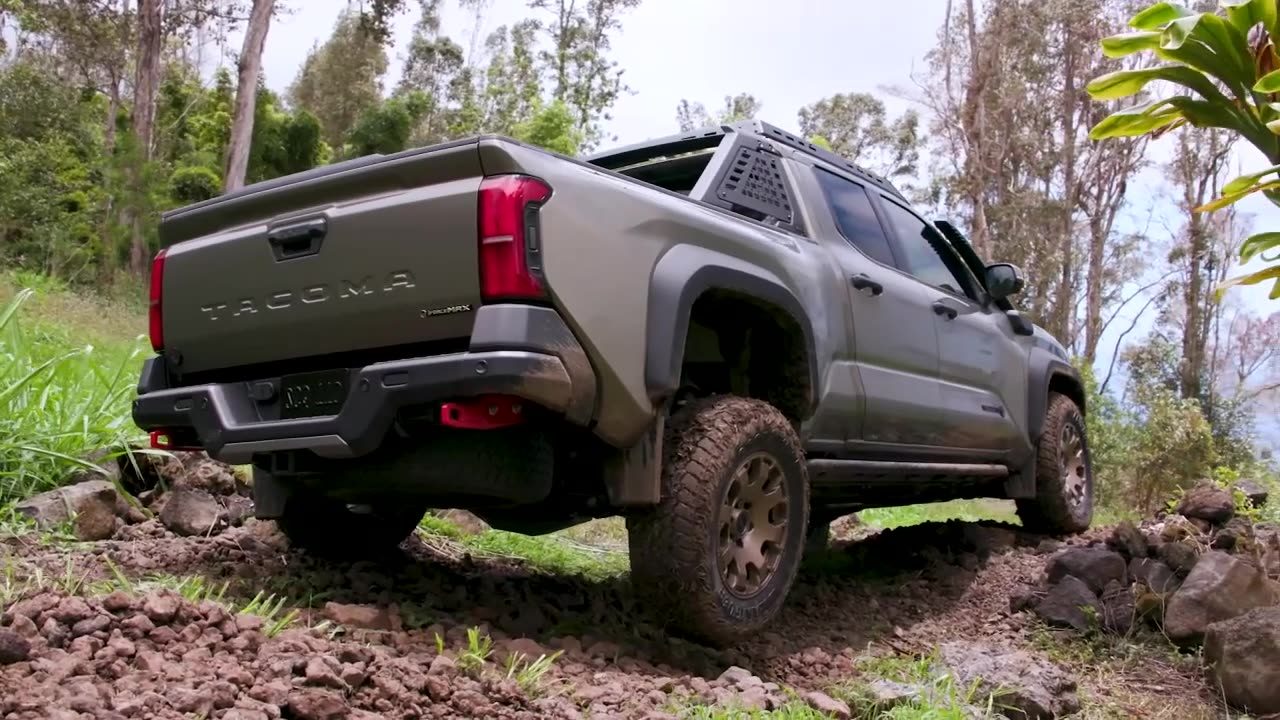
[516, 350]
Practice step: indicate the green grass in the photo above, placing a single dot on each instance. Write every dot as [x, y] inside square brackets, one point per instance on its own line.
[62, 397]
[966, 510]
[551, 554]
[940, 696]
[794, 710]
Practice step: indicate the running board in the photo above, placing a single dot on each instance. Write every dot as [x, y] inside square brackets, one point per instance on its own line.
[847, 472]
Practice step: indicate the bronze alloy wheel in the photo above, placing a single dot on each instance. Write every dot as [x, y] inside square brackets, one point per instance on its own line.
[1075, 475]
[753, 524]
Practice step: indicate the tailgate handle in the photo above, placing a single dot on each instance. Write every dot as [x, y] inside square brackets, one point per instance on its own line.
[298, 240]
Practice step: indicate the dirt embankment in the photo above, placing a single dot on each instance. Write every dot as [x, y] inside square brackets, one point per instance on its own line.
[390, 637]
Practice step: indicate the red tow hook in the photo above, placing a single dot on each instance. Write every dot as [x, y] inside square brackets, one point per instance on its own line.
[486, 412]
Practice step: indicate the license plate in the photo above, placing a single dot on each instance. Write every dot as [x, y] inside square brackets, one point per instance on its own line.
[312, 394]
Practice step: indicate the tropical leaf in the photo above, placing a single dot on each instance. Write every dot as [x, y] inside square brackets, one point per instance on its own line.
[1243, 182]
[1257, 244]
[1245, 14]
[1216, 46]
[1123, 83]
[1233, 198]
[1271, 273]
[1268, 83]
[1118, 46]
[1136, 121]
[1157, 16]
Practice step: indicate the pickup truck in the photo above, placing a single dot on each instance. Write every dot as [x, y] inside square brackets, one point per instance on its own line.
[730, 337]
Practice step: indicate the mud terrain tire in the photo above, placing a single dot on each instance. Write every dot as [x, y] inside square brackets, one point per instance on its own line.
[329, 528]
[1064, 474]
[720, 455]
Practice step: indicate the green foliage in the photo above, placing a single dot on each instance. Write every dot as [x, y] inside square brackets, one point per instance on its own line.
[385, 128]
[60, 401]
[551, 127]
[341, 78]
[857, 126]
[192, 184]
[1224, 67]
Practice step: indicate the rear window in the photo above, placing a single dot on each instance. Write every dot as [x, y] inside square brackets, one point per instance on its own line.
[854, 216]
[677, 174]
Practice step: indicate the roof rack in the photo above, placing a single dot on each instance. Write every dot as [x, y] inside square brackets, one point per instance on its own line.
[708, 137]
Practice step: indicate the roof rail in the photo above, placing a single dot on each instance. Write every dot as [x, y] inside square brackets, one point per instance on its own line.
[795, 142]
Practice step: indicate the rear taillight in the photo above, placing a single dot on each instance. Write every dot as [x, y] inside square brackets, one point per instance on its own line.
[510, 249]
[154, 312]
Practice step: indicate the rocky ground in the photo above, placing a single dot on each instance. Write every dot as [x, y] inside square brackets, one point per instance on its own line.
[182, 607]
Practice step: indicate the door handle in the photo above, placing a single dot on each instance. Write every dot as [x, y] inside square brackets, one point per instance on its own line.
[299, 240]
[862, 282]
[941, 308]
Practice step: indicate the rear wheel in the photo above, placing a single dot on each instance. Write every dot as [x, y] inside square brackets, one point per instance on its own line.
[719, 553]
[331, 528]
[1064, 474]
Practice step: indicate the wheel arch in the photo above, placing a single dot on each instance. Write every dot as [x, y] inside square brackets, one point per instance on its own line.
[687, 274]
[1050, 374]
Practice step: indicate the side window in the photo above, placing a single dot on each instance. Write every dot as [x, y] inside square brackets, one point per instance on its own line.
[855, 217]
[927, 258]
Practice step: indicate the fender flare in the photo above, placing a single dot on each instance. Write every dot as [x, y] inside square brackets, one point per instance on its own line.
[679, 278]
[1042, 369]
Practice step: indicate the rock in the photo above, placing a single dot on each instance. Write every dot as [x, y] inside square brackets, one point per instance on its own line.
[1095, 566]
[1181, 556]
[525, 649]
[1244, 657]
[738, 676]
[887, 694]
[1155, 575]
[316, 705]
[1070, 603]
[95, 522]
[1048, 546]
[1219, 588]
[442, 664]
[1256, 493]
[1024, 597]
[1208, 502]
[1127, 540]
[14, 648]
[468, 523]
[320, 672]
[50, 509]
[1176, 527]
[1118, 608]
[160, 607]
[1267, 543]
[192, 512]
[208, 475]
[1236, 534]
[238, 508]
[1022, 684]
[367, 617]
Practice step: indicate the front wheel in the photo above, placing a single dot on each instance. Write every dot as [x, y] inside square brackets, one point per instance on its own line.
[1064, 474]
[718, 555]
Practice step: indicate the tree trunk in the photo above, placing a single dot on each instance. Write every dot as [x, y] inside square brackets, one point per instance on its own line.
[974, 121]
[150, 40]
[255, 37]
[1093, 303]
[1192, 348]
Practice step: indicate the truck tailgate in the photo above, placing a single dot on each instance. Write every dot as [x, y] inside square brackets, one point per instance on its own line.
[381, 253]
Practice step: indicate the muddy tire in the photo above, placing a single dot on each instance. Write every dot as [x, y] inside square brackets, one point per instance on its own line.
[715, 559]
[1064, 474]
[330, 528]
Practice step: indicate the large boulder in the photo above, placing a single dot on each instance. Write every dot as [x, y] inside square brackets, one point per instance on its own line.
[1208, 502]
[1023, 685]
[1244, 657]
[1095, 566]
[1128, 540]
[1069, 603]
[1157, 576]
[1220, 587]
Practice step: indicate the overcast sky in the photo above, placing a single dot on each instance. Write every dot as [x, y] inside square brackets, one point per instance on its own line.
[787, 55]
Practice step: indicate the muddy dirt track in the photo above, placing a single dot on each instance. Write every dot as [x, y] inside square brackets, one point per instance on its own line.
[900, 592]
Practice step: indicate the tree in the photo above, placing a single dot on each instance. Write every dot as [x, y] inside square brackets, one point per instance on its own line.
[387, 127]
[432, 62]
[341, 78]
[250, 65]
[856, 126]
[582, 75]
[146, 82]
[1226, 71]
[743, 106]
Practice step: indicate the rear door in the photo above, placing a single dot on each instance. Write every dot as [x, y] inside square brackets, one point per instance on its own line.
[895, 344]
[981, 378]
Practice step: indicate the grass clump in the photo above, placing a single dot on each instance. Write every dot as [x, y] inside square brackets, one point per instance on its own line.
[937, 694]
[61, 401]
[964, 510]
[551, 554]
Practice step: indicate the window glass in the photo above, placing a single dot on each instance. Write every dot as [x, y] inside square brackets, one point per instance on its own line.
[923, 258]
[855, 217]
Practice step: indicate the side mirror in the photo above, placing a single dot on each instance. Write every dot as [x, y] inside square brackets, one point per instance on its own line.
[1004, 280]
